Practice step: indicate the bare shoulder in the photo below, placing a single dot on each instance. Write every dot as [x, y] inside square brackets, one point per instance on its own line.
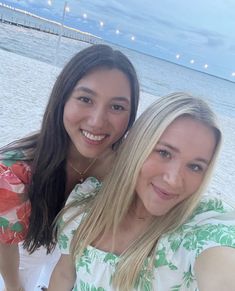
[214, 269]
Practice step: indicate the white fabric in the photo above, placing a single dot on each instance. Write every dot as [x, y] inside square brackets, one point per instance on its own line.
[35, 269]
[212, 224]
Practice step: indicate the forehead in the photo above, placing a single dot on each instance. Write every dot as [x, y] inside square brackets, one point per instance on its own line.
[107, 81]
[104, 72]
[191, 137]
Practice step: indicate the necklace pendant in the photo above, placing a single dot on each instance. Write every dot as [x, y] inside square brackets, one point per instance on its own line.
[81, 174]
[81, 180]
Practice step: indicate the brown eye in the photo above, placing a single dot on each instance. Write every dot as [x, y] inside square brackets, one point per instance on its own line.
[85, 99]
[118, 107]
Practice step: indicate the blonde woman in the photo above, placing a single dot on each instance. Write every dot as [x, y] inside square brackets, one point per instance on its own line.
[148, 227]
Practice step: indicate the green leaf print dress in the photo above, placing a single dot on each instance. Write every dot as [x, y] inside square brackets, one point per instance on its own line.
[212, 224]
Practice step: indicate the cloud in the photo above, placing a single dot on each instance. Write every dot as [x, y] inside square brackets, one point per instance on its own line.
[210, 38]
[215, 42]
[194, 28]
[232, 49]
[22, 3]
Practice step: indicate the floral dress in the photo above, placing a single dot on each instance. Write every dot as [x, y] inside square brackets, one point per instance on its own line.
[14, 204]
[212, 224]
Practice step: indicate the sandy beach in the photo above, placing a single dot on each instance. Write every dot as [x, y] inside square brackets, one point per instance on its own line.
[28, 72]
[25, 87]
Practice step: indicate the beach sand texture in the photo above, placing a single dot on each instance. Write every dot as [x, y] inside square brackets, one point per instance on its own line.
[25, 86]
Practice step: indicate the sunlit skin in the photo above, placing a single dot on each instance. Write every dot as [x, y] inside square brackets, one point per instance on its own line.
[97, 113]
[176, 167]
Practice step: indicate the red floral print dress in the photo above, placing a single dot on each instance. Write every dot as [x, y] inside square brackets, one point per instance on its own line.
[14, 204]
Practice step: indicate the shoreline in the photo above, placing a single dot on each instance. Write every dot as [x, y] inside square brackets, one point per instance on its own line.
[88, 38]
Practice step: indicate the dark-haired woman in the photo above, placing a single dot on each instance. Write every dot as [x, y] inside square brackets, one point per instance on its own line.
[92, 105]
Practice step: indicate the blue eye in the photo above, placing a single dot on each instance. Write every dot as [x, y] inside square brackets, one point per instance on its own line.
[195, 167]
[164, 154]
[118, 107]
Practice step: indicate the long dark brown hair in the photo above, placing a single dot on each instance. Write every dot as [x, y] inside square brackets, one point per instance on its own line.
[47, 149]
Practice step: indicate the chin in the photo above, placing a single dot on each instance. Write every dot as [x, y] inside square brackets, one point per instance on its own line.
[90, 156]
[160, 213]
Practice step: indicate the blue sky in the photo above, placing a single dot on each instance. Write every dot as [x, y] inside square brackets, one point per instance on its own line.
[200, 32]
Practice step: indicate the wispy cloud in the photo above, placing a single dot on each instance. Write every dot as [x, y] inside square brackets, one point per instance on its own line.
[200, 28]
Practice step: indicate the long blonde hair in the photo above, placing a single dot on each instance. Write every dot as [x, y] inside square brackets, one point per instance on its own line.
[109, 207]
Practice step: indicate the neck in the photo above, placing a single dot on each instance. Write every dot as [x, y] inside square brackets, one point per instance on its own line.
[138, 212]
[99, 169]
[75, 156]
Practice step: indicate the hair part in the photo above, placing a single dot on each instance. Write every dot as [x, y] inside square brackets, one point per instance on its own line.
[106, 211]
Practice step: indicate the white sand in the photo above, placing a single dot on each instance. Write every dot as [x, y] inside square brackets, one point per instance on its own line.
[25, 87]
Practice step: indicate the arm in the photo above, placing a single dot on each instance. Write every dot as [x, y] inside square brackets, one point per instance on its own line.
[9, 266]
[214, 269]
[14, 210]
[64, 275]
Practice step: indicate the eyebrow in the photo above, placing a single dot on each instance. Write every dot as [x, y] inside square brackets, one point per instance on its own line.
[85, 89]
[205, 161]
[92, 92]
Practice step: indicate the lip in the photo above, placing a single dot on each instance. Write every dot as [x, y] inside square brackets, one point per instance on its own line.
[163, 194]
[93, 138]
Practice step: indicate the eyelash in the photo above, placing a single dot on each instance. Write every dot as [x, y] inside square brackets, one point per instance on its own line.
[88, 100]
[85, 99]
[193, 166]
[120, 107]
[164, 154]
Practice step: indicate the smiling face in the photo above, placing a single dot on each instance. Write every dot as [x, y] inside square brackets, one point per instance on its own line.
[96, 114]
[176, 167]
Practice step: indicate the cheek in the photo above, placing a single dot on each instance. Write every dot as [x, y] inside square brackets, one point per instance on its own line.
[120, 123]
[193, 183]
[145, 175]
[140, 187]
[151, 167]
[67, 119]
[70, 114]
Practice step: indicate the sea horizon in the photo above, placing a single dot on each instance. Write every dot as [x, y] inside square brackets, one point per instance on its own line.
[26, 80]
[26, 83]
[28, 72]
[93, 39]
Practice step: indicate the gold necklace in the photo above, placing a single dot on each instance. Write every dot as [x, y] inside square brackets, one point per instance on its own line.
[82, 174]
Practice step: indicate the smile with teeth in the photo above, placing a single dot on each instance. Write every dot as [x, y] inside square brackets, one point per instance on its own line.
[93, 137]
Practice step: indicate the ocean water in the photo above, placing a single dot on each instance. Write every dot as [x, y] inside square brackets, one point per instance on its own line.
[157, 77]
[28, 71]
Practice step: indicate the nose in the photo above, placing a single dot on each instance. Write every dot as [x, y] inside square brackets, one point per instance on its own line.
[173, 175]
[98, 118]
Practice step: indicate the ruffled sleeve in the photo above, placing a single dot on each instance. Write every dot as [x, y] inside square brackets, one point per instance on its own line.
[211, 225]
[14, 203]
[67, 225]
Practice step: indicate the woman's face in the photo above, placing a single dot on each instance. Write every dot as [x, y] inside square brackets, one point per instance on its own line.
[97, 113]
[176, 167]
